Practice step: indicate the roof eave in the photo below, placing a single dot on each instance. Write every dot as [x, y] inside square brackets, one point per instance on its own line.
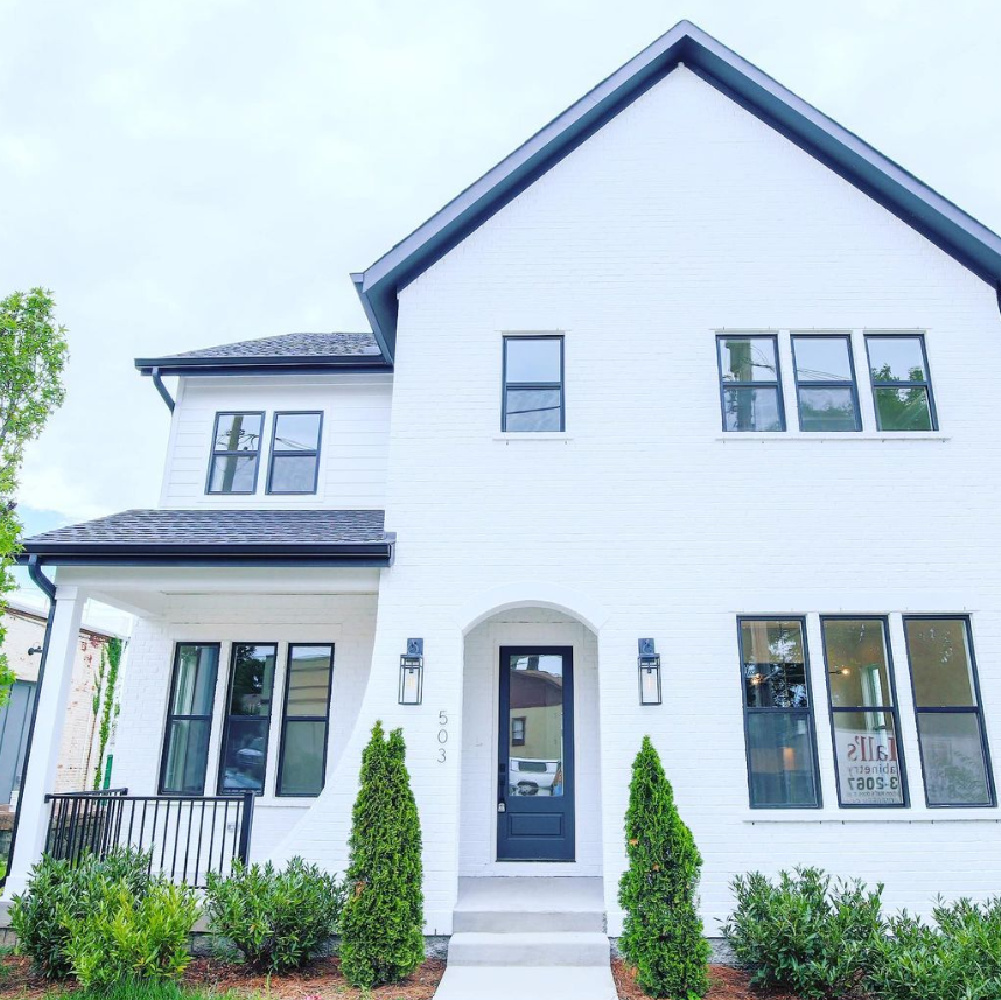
[290, 365]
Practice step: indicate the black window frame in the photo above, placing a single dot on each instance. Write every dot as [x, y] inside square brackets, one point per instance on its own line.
[808, 711]
[172, 717]
[298, 453]
[926, 384]
[893, 710]
[539, 386]
[286, 719]
[227, 718]
[826, 383]
[770, 384]
[977, 710]
[215, 453]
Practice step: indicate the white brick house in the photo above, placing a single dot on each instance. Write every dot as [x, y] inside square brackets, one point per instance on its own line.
[693, 365]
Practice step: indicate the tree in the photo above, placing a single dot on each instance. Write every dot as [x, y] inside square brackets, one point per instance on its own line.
[382, 924]
[107, 681]
[33, 354]
[662, 936]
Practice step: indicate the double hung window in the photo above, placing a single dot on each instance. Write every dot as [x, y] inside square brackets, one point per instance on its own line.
[302, 763]
[778, 717]
[825, 383]
[295, 453]
[867, 752]
[236, 452]
[189, 719]
[901, 384]
[244, 755]
[950, 719]
[750, 384]
[533, 385]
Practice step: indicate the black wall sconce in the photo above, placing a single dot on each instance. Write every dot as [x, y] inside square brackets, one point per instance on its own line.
[649, 671]
[412, 673]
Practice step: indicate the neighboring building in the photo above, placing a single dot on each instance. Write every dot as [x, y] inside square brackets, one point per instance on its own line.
[695, 365]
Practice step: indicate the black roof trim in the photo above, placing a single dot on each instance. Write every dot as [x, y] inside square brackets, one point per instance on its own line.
[261, 366]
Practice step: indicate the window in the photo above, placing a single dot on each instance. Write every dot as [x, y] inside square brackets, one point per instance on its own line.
[825, 383]
[236, 449]
[189, 719]
[295, 453]
[533, 385]
[950, 721]
[518, 725]
[901, 386]
[303, 759]
[867, 752]
[778, 720]
[244, 756]
[750, 386]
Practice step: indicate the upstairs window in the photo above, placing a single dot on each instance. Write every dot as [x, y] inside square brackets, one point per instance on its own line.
[901, 384]
[533, 385]
[295, 453]
[244, 757]
[825, 383]
[236, 451]
[951, 734]
[778, 716]
[189, 719]
[750, 386]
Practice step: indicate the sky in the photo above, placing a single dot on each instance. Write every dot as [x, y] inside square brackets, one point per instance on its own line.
[184, 173]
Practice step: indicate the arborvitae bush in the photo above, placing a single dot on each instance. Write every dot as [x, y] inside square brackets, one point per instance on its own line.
[662, 937]
[382, 936]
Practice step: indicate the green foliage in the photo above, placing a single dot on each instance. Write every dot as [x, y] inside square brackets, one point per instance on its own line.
[382, 923]
[111, 658]
[662, 935]
[59, 891]
[124, 937]
[959, 959]
[277, 919]
[33, 355]
[805, 932]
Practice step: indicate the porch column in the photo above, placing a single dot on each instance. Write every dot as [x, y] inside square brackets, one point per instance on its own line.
[46, 739]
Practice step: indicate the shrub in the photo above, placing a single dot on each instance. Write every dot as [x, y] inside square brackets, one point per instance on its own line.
[125, 938]
[277, 919]
[59, 890]
[662, 936]
[959, 958]
[382, 937]
[805, 933]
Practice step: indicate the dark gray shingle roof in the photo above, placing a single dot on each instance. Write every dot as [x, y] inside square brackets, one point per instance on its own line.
[237, 533]
[292, 345]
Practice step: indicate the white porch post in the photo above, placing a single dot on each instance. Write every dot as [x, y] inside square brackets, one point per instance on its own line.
[43, 755]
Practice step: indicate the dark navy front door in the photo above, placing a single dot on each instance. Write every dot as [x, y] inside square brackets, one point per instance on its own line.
[535, 786]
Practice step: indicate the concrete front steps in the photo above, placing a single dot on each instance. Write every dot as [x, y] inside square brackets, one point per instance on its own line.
[530, 937]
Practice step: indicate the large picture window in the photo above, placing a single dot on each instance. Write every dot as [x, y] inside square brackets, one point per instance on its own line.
[901, 384]
[778, 717]
[236, 451]
[954, 753]
[189, 719]
[533, 385]
[825, 383]
[305, 728]
[295, 453]
[243, 761]
[867, 751]
[750, 385]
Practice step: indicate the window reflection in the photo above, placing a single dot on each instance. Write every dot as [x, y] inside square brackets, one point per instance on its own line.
[535, 728]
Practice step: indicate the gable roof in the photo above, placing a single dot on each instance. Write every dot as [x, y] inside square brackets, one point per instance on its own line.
[286, 352]
[958, 234]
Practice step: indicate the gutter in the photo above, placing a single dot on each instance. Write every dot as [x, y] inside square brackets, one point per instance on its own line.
[257, 366]
[49, 589]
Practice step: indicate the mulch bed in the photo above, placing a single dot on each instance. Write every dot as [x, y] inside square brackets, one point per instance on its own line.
[727, 984]
[323, 979]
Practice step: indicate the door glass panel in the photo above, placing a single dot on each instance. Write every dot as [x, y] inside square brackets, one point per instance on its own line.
[535, 726]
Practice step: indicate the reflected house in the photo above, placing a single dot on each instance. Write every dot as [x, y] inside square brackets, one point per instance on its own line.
[536, 729]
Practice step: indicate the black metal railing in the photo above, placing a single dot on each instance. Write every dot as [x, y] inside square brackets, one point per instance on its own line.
[186, 837]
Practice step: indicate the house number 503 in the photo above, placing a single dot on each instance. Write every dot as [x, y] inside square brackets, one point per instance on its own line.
[442, 736]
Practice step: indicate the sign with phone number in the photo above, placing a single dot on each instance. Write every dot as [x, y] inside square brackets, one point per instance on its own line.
[868, 769]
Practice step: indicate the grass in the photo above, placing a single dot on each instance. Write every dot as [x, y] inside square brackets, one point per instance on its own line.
[155, 991]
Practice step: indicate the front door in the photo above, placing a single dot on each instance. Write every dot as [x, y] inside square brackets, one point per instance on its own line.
[535, 776]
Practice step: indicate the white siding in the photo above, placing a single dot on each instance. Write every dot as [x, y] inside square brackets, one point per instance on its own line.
[353, 448]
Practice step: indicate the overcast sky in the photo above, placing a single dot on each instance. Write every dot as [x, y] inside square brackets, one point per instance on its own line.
[182, 174]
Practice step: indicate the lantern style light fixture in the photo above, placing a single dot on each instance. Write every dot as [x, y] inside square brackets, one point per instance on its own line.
[649, 671]
[412, 672]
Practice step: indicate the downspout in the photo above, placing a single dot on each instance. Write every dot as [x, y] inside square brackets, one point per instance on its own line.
[49, 589]
[162, 389]
[997, 288]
